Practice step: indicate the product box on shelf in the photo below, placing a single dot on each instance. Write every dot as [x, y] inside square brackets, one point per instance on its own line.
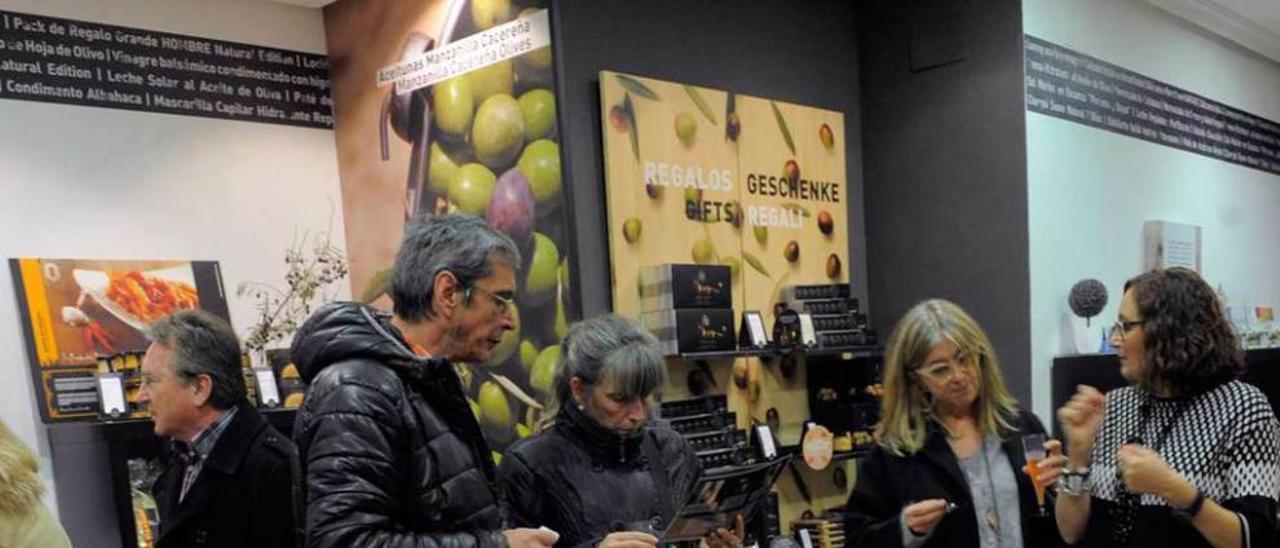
[678, 286]
[690, 330]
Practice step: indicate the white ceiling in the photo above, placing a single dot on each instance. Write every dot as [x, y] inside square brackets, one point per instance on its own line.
[1254, 24]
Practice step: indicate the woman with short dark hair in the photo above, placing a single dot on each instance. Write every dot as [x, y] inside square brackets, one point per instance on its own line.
[601, 473]
[1186, 455]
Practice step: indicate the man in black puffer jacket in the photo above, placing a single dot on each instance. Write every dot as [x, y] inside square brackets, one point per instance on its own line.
[391, 454]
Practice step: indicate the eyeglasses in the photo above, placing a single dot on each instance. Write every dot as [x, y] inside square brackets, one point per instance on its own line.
[1121, 327]
[503, 302]
[943, 371]
[149, 380]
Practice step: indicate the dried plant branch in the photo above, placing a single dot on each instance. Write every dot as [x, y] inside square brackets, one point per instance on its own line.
[313, 267]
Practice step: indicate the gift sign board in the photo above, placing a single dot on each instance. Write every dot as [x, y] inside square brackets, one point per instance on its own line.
[81, 316]
[701, 175]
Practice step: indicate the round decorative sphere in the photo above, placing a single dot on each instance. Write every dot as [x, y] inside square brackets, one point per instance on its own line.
[1087, 298]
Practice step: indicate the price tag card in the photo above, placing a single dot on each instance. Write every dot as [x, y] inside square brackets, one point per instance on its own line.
[807, 334]
[111, 397]
[764, 436]
[268, 393]
[755, 329]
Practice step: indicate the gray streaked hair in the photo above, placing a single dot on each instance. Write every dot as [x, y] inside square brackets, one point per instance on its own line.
[203, 344]
[463, 245]
[609, 347]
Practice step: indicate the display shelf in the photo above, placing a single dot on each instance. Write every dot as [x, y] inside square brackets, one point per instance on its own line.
[856, 351]
[838, 456]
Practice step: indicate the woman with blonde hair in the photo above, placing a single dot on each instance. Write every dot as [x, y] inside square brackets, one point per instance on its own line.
[949, 468]
[24, 520]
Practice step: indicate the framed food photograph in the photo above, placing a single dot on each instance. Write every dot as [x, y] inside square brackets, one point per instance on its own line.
[80, 317]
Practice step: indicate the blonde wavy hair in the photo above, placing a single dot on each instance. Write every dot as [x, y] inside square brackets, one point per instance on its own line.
[20, 485]
[906, 408]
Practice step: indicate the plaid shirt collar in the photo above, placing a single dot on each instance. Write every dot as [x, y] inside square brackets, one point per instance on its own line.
[205, 440]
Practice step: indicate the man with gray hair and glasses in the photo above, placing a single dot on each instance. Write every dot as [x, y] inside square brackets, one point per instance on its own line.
[390, 452]
[229, 482]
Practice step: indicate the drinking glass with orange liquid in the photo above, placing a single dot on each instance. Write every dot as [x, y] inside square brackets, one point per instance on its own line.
[1033, 450]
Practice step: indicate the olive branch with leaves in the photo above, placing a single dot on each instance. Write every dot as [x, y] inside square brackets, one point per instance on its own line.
[313, 267]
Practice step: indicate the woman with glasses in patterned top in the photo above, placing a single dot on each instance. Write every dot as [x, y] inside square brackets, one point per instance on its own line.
[1186, 455]
[950, 466]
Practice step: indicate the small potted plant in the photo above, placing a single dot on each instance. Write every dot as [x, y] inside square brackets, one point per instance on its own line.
[1087, 299]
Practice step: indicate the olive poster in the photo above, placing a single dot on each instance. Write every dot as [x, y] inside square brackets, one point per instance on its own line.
[449, 106]
[87, 316]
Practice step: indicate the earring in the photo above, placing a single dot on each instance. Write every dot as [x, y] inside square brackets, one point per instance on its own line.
[581, 407]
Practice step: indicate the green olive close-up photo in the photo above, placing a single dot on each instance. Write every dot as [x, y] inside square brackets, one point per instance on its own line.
[528, 354]
[542, 275]
[441, 171]
[538, 107]
[544, 369]
[540, 163]
[454, 105]
[472, 188]
[498, 131]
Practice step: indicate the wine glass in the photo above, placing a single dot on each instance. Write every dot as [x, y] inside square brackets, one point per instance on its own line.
[1033, 450]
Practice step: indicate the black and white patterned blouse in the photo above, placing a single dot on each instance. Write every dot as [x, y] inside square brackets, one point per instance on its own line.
[1225, 441]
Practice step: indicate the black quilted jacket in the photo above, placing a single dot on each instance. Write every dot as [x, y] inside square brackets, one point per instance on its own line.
[391, 455]
[585, 482]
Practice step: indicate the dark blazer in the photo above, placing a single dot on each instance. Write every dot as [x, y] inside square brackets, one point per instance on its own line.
[886, 483]
[243, 495]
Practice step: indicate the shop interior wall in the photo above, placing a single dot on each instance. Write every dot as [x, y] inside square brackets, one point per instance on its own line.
[99, 183]
[1089, 190]
[945, 165]
[800, 53]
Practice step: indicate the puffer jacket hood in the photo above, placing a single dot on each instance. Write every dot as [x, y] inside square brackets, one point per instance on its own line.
[344, 330]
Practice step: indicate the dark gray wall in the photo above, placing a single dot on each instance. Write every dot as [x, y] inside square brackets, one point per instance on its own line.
[945, 165]
[780, 49]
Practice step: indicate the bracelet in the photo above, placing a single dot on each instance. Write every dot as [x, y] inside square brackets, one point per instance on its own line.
[1076, 482]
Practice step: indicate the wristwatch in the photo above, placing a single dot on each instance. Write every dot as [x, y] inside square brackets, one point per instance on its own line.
[1075, 483]
[1190, 512]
